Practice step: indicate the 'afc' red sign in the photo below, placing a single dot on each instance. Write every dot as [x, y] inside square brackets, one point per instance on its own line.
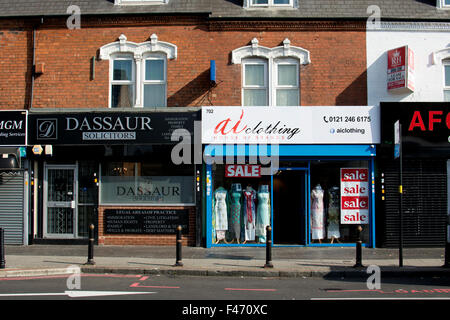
[426, 121]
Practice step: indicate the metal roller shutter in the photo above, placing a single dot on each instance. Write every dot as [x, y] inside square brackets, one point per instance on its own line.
[11, 205]
[424, 203]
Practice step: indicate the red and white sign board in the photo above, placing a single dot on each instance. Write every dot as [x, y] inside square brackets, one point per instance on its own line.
[242, 171]
[400, 69]
[354, 196]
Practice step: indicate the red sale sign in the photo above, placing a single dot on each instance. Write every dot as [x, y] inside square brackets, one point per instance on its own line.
[242, 171]
[354, 196]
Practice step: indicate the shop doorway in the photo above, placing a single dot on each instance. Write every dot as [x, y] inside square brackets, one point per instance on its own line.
[60, 201]
[289, 207]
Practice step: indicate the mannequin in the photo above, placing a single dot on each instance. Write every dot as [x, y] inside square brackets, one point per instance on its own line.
[220, 213]
[263, 217]
[235, 211]
[317, 214]
[333, 214]
[249, 213]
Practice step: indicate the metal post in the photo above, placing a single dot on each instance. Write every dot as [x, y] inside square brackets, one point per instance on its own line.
[91, 245]
[268, 248]
[447, 245]
[2, 249]
[400, 190]
[178, 263]
[358, 263]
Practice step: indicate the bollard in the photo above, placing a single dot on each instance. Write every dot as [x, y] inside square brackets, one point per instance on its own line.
[178, 263]
[447, 256]
[358, 263]
[2, 249]
[268, 248]
[91, 246]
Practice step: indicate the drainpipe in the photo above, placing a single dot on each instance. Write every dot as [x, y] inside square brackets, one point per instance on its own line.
[33, 66]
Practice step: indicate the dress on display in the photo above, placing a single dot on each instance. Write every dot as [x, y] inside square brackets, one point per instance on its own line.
[221, 213]
[333, 213]
[249, 213]
[317, 213]
[235, 211]
[263, 218]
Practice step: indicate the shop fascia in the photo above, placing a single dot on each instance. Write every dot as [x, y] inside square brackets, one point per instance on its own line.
[259, 131]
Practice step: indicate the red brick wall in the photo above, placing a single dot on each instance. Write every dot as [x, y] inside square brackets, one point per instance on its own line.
[133, 239]
[336, 75]
[15, 63]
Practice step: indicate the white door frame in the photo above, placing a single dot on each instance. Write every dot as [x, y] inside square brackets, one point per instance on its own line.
[73, 167]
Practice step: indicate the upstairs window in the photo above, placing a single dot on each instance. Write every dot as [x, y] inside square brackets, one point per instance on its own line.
[138, 72]
[446, 65]
[270, 76]
[155, 81]
[443, 4]
[122, 82]
[268, 3]
[139, 2]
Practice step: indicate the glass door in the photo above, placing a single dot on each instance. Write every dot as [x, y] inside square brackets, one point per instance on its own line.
[60, 201]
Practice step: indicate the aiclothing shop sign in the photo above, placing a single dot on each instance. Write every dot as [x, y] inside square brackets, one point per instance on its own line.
[110, 127]
[291, 125]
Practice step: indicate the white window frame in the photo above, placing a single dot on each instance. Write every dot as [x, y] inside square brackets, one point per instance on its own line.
[256, 61]
[440, 4]
[445, 63]
[139, 2]
[270, 3]
[139, 52]
[281, 54]
[154, 56]
[131, 82]
[276, 86]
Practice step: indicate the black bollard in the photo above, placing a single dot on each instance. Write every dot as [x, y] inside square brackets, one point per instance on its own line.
[358, 263]
[91, 246]
[268, 248]
[2, 249]
[178, 263]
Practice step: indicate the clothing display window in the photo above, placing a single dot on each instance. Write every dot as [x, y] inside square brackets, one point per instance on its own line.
[306, 202]
[241, 208]
[336, 204]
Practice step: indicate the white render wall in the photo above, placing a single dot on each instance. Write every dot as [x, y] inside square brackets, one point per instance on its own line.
[430, 43]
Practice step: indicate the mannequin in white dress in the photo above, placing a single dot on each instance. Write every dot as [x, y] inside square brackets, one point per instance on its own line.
[220, 213]
[317, 214]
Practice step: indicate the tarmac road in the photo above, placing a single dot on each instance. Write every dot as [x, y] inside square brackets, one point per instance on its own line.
[193, 288]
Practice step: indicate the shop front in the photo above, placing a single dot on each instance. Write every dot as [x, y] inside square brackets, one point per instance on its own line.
[424, 142]
[308, 172]
[113, 170]
[13, 176]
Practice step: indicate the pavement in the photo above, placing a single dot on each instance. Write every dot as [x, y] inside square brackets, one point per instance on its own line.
[43, 260]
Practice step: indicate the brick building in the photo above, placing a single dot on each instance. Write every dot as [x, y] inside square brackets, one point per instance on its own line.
[97, 76]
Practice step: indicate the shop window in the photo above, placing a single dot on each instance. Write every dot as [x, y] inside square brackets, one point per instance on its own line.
[241, 208]
[146, 182]
[339, 201]
[446, 65]
[270, 76]
[138, 72]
